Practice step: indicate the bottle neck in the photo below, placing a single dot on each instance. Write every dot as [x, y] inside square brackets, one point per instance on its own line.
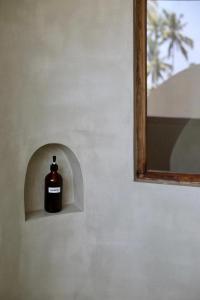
[53, 171]
[54, 168]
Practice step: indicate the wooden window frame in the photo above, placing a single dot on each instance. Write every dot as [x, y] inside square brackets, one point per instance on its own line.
[140, 95]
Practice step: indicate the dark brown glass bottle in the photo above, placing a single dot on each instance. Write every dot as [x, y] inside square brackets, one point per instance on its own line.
[53, 189]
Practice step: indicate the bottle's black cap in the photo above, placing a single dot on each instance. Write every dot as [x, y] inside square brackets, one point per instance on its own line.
[54, 166]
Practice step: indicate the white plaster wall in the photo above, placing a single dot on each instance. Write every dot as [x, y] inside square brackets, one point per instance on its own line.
[133, 240]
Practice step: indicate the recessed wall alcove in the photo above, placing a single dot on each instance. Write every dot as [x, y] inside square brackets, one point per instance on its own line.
[38, 167]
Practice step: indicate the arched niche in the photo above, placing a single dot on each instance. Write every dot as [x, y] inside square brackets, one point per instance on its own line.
[38, 167]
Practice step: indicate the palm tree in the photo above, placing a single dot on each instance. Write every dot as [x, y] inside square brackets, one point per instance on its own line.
[154, 20]
[151, 5]
[173, 33]
[156, 66]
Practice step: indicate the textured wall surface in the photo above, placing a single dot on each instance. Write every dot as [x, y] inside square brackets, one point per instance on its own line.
[66, 77]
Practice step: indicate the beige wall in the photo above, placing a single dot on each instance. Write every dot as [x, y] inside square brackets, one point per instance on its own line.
[173, 123]
[173, 144]
[162, 137]
[66, 77]
[177, 97]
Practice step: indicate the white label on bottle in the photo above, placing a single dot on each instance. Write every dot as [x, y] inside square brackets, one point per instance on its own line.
[54, 190]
